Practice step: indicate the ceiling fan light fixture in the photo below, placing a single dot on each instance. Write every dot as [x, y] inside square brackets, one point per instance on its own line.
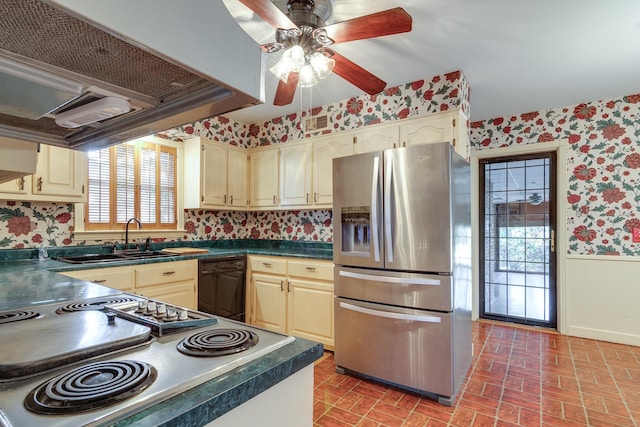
[307, 77]
[322, 65]
[281, 70]
[294, 58]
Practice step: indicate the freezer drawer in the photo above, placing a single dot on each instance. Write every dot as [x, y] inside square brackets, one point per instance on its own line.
[412, 348]
[412, 290]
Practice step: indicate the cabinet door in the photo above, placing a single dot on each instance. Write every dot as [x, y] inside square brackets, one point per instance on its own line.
[178, 294]
[377, 138]
[237, 174]
[264, 177]
[15, 187]
[324, 151]
[213, 174]
[437, 128]
[59, 173]
[295, 175]
[269, 302]
[121, 278]
[310, 310]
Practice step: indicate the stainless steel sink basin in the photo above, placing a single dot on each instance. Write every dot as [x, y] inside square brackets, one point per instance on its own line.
[122, 256]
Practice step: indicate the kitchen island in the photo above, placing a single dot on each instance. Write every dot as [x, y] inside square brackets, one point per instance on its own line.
[242, 396]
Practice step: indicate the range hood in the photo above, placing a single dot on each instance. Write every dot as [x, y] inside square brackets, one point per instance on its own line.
[88, 74]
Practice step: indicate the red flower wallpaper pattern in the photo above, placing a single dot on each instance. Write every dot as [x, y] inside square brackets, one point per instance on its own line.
[603, 167]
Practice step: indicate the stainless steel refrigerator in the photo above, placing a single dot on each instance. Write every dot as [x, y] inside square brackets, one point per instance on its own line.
[402, 250]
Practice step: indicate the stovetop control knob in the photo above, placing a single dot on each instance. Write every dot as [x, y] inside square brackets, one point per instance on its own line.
[111, 318]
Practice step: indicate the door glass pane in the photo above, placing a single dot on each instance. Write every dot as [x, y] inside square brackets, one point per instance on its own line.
[517, 198]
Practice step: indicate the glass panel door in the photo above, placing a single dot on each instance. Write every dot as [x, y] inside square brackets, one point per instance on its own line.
[517, 265]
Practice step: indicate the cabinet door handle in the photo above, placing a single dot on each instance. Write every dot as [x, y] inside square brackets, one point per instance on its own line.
[404, 143]
[40, 184]
[266, 264]
[311, 269]
[315, 197]
[225, 199]
[100, 281]
[288, 287]
[168, 273]
[307, 197]
[274, 199]
[21, 183]
[231, 200]
[281, 285]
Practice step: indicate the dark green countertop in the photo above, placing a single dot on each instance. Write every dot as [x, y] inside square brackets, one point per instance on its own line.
[25, 281]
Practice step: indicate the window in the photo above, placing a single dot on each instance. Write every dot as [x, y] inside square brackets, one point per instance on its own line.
[133, 179]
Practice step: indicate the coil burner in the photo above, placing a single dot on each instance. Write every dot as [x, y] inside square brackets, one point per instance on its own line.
[217, 342]
[95, 304]
[91, 387]
[18, 315]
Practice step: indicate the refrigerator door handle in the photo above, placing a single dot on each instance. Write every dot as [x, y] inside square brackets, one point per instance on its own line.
[387, 204]
[390, 315]
[374, 209]
[388, 279]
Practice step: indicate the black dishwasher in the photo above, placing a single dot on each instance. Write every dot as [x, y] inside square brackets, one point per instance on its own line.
[221, 286]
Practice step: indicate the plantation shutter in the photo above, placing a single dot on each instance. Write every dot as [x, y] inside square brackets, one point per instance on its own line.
[98, 187]
[125, 182]
[132, 181]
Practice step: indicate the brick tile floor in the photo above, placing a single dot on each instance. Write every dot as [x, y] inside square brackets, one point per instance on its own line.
[519, 377]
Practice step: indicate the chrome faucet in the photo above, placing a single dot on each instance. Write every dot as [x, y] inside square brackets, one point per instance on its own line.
[126, 231]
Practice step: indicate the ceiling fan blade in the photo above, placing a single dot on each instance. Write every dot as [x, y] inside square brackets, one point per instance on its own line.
[356, 75]
[286, 91]
[385, 23]
[270, 13]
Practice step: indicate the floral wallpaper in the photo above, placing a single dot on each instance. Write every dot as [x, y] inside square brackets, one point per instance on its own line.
[439, 93]
[309, 225]
[603, 166]
[29, 225]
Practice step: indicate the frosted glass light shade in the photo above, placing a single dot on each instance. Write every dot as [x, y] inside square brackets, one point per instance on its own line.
[321, 64]
[294, 58]
[281, 70]
[307, 77]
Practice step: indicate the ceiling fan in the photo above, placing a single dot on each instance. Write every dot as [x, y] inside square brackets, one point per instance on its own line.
[305, 38]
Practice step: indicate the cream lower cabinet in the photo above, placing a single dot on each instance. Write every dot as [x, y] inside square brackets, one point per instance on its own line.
[121, 278]
[172, 282]
[292, 296]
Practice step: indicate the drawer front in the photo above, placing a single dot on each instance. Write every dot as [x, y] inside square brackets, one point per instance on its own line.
[268, 265]
[311, 269]
[121, 278]
[166, 272]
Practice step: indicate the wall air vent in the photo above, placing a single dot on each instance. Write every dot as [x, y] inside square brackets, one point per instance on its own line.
[101, 109]
[316, 124]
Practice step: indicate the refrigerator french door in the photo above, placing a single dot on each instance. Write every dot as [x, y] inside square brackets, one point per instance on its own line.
[402, 277]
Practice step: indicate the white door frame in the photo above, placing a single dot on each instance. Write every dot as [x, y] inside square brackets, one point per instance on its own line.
[560, 147]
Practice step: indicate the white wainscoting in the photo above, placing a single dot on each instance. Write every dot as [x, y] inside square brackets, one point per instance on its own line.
[603, 298]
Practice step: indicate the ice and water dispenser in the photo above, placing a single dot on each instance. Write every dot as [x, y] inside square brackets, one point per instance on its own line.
[356, 231]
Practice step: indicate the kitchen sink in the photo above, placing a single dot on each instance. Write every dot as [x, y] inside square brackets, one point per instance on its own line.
[122, 256]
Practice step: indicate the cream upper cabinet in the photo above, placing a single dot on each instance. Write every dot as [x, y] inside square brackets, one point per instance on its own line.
[59, 173]
[449, 126]
[215, 175]
[16, 187]
[325, 149]
[264, 177]
[376, 138]
[237, 178]
[295, 174]
[60, 177]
